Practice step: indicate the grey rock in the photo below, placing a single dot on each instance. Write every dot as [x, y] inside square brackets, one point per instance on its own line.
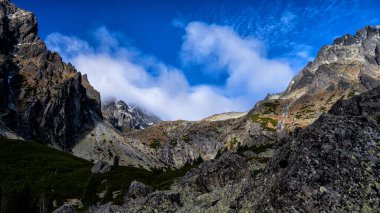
[101, 167]
[330, 166]
[65, 209]
[161, 201]
[106, 208]
[215, 174]
[138, 190]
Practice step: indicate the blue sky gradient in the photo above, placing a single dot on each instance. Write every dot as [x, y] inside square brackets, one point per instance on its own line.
[156, 34]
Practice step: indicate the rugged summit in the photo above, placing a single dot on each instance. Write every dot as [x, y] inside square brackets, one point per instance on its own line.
[349, 66]
[126, 118]
[41, 98]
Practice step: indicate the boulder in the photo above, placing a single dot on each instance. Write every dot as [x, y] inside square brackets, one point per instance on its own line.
[101, 167]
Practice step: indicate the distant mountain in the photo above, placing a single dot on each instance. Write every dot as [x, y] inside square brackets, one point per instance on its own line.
[127, 117]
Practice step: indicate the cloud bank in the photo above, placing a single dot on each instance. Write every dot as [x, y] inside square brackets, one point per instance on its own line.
[122, 72]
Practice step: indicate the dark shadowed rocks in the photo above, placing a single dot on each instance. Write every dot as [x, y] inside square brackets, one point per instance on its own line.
[101, 167]
[65, 209]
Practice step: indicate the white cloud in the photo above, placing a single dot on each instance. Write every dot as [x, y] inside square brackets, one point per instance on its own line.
[122, 72]
[249, 71]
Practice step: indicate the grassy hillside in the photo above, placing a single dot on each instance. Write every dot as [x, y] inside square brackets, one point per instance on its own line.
[34, 176]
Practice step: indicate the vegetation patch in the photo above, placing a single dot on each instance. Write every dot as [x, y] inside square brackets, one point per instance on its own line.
[259, 159]
[186, 139]
[304, 111]
[265, 122]
[155, 143]
[351, 94]
[271, 107]
[232, 142]
[32, 174]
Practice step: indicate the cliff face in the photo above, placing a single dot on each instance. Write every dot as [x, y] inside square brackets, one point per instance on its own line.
[41, 98]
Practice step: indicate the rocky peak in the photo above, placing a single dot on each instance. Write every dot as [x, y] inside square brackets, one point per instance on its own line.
[125, 118]
[347, 67]
[361, 35]
[41, 97]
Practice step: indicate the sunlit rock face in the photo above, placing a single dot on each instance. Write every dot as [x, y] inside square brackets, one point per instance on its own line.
[347, 67]
[41, 98]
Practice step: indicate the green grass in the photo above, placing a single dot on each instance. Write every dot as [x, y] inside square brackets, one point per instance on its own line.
[155, 144]
[264, 121]
[30, 172]
[351, 94]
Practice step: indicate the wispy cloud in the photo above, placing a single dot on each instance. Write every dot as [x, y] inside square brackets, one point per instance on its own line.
[124, 73]
[250, 73]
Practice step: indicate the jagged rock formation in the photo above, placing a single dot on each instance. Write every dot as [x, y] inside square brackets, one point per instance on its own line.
[333, 165]
[126, 118]
[347, 67]
[41, 98]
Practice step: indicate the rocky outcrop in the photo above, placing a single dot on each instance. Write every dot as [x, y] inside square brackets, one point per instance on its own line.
[41, 98]
[331, 166]
[177, 142]
[138, 190]
[126, 118]
[101, 167]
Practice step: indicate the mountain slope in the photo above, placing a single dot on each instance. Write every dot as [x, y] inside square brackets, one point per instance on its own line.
[333, 165]
[50, 177]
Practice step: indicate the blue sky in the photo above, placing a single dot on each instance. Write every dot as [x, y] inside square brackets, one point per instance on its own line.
[191, 59]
